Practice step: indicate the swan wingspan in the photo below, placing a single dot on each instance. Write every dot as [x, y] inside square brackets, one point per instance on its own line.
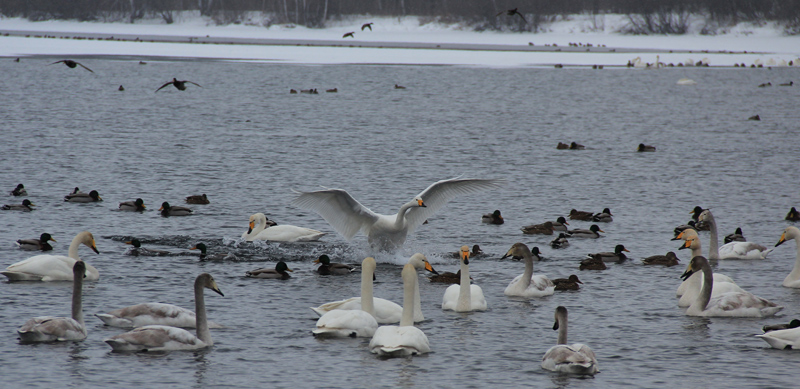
[441, 192]
[344, 213]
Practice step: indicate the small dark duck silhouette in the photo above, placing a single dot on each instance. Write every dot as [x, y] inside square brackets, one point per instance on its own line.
[71, 64]
[513, 12]
[366, 25]
[180, 85]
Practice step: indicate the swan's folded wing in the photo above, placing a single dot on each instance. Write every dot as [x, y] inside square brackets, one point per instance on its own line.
[441, 192]
[344, 213]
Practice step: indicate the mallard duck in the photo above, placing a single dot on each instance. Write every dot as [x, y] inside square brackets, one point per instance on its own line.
[333, 90]
[576, 146]
[81, 197]
[560, 224]
[616, 256]
[135, 206]
[593, 263]
[560, 242]
[179, 85]
[36, 244]
[783, 326]
[71, 64]
[570, 283]
[793, 215]
[592, 232]
[25, 206]
[604, 217]
[698, 224]
[667, 260]
[790, 83]
[204, 256]
[684, 227]
[545, 228]
[138, 250]
[167, 210]
[736, 236]
[447, 277]
[476, 251]
[574, 214]
[327, 268]
[562, 146]
[643, 148]
[197, 199]
[399, 86]
[493, 218]
[19, 191]
[279, 272]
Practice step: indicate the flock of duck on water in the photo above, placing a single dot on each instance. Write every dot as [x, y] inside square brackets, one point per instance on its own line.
[160, 327]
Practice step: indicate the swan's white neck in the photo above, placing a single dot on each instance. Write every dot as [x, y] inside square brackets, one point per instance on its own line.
[73, 247]
[464, 293]
[713, 246]
[417, 303]
[400, 221]
[409, 285]
[367, 302]
[795, 274]
[201, 320]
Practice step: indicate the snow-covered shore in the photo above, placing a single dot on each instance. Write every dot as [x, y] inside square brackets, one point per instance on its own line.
[410, 41]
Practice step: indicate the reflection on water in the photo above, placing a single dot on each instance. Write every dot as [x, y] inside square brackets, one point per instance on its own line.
[247, 144]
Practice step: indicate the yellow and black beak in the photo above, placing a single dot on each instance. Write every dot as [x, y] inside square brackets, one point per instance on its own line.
[679, 236]
[421, 203]
[429, 268]
[252, 225]
[685, 245]
[465, 256]
[781, 240]
[688, 273]
[94, 248]
[215, 288]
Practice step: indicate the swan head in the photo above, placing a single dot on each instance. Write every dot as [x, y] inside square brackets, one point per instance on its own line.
[134, 242]
[207, 281]
[281, 267]
[323, 259]
[695, 265]
[420, 262]
[517, 251]
[87, 239]
[200, 246]
[705, 215]
[618, 249]
[790, 232]
[369, 264]
[692, 242]
[561, 314]
[464, 254]
[686, 234]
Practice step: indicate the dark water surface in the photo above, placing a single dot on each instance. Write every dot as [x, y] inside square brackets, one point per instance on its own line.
[246, 142]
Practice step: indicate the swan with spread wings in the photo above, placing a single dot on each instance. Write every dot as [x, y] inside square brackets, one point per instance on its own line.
[386, 232]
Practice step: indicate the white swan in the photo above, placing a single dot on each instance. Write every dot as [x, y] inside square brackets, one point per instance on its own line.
[787, 339]
[147, 314]
[576, 358]
[166, 338]
[386, 232]
[793, 279]
[49, 328]
[352, 323]
[732, 304]
[54, 267]
[732, 250]
[386, 312]
[281, 233]
[695, 282]
[405, 339]
[464, 297]
[527, 284]
[694, 245]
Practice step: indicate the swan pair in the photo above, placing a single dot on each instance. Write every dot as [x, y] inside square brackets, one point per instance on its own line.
[49, 267]
[259, 230]
[732, 250]
[386, 312]
[386, 232]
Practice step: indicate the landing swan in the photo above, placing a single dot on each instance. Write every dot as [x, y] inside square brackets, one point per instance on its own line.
[732, 250]
[386, 312]
[793, 279]
[280, 233]
[527, 284]
[405, 339]
[166, 338]
[356, 322]
[49, 328]
[576, 358]
[54, 267]
[732, 304]
[386, 232]
[694, 245]
[464, 297]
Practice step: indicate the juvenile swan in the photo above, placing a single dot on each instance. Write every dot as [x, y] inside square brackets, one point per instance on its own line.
[166, 338]
[405, 339]
[464, 297]
[49, 328]
[527, 284]
[576, 359]
[54, 267]
[386, 232]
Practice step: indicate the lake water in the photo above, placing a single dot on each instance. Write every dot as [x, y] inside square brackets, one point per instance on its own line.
[246, 142]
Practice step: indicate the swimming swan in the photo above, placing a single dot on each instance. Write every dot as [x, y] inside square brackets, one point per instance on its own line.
[695, 282]
[166, 338]
[576, 358]
[49, 267]
[280, 233]
[405, 339]
[356, 322]
[527, 284]
[49, 328]
[732, 250]
[793, 279]
[386, 232]
[692, 241]
[732, 304]
[464, 297]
